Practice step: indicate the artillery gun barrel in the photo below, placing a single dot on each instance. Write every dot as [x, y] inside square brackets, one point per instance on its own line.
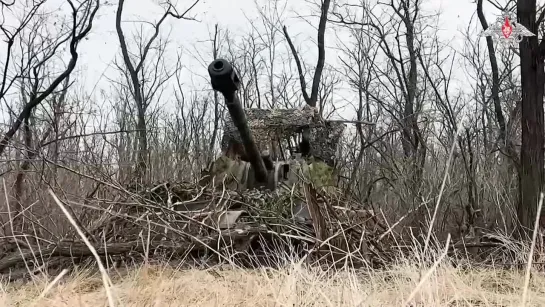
[225, 80]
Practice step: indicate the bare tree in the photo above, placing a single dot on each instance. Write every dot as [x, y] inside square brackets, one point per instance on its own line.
[13, 34]
[312, 99]
[357, 60]
[270, 16]
[218, 39]
[317, 79]
[34, 63]
[244, 55]
[399, 79]
[83, 15]
[532, 50]
[532, 56]
[139, 89]
[495, 73]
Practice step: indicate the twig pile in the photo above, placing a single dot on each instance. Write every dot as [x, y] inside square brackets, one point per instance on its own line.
[249, 227]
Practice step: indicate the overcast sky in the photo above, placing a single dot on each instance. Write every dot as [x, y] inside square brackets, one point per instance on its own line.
[98, 52]
[102, 46]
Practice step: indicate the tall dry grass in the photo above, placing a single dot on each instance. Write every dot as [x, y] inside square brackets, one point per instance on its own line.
[293, 285]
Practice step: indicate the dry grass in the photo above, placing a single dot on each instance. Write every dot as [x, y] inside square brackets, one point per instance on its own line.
[293, 286]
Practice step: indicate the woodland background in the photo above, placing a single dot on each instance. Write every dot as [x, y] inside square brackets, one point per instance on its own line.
[385, 63]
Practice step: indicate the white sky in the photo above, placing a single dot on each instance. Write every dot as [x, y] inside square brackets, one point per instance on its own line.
[102, 46]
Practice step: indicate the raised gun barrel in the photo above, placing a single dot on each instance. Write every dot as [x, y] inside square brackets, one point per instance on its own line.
[225, 80]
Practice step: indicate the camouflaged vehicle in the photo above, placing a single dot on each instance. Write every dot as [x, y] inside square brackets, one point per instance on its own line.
[270, 148]
[273, 184]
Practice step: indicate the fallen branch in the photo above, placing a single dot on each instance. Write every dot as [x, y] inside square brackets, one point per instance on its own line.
[79, 249]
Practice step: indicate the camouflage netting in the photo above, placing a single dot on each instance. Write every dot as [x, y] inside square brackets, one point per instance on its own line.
[308, 210]
[280, 124]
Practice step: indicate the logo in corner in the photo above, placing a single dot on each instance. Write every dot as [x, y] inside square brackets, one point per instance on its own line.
[506, 32]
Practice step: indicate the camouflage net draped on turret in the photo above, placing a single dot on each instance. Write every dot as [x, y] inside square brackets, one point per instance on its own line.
[272, 125]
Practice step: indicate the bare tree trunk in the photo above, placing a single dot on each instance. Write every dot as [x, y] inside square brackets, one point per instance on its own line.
[312, 99]
[495, 73]
[142, 153]
[141, 99]
[137, 95]
[28, 156]
[30, 150]
[58, 109]
[533, 81]
[413, 144]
